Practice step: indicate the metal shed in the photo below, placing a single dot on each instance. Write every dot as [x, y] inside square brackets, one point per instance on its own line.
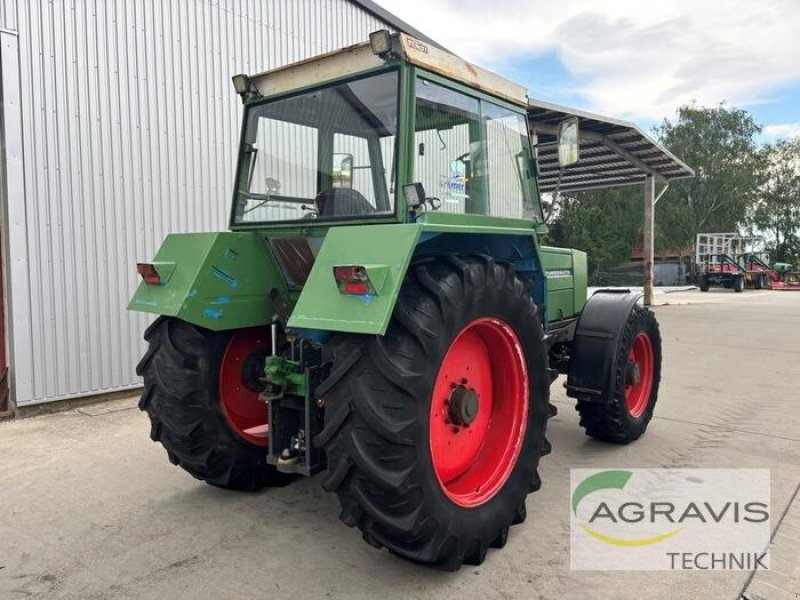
[119, 125]
[612, 153]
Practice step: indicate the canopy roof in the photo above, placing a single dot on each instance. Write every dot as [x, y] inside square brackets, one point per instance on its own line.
[612, 152]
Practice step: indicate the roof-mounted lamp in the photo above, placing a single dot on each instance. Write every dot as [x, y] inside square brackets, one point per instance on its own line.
[244, 87]
[381, 42]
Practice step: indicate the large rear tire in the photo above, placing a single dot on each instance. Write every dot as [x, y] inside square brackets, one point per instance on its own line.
[199, 392]
[433, 432]
[622, 414]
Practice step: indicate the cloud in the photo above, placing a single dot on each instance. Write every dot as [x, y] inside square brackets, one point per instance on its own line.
[632, 58]
[782, 131]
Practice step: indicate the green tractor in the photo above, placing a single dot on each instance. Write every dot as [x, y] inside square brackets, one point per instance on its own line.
[381, 308]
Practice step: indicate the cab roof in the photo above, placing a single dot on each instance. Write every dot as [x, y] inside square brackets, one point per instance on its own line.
[360, 57]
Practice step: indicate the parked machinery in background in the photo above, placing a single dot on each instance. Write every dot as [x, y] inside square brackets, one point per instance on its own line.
[738, 262]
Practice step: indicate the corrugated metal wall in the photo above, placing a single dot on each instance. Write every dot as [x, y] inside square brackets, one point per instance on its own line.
[129, 127]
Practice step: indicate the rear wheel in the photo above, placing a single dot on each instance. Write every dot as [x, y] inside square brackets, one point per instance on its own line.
[433, 432]
[622, 414]
[704, 283]
[201, 394]
[738, 284]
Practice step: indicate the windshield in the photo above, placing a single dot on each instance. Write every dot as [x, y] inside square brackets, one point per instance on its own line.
[325, 154]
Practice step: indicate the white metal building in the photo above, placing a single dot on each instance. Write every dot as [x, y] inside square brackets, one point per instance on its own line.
[119, 125]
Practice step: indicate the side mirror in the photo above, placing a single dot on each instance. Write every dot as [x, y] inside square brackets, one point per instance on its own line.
[343, 170]
[415, 194]
[568, 142]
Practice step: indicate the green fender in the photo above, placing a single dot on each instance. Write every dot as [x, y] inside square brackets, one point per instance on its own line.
[219, 281]
[224, 281]
[385, 251]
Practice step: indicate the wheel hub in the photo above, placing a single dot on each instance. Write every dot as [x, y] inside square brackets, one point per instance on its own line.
[462, 405]
[633, 373]
[479, 410]
[639, 375]
[239, 384]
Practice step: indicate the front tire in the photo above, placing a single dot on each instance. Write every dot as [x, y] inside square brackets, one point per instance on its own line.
[197, 393]
[622, 414]
[433, 432]
[738, 285]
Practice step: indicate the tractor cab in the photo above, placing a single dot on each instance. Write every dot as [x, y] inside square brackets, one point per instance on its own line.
[358, 135]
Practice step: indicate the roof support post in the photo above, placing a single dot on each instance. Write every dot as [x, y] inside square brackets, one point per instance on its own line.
[649, 248]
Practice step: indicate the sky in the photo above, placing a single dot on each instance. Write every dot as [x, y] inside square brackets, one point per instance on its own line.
[632, 59]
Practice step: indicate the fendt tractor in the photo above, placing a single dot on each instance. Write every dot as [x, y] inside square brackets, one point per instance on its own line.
[382, 308]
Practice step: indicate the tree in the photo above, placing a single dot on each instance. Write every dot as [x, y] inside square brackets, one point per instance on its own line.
[602, 223]
[719, 144]
[777, 212]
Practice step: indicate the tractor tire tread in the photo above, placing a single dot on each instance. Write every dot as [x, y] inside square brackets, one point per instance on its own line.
[608, 419]
[181, 398]
[372, 431]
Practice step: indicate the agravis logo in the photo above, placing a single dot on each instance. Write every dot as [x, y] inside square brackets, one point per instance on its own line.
[611, 480]
[669, 518]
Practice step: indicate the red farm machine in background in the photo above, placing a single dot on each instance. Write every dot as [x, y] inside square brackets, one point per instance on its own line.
[736, 262]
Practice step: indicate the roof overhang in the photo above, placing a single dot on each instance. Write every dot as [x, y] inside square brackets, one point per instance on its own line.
[612, 152]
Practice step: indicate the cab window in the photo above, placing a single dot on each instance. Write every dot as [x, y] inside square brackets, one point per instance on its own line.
[474, 155]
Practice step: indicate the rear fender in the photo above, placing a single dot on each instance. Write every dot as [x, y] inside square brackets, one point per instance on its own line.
[387, 251]
[219, 281]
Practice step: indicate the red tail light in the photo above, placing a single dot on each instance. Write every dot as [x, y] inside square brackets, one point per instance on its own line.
[356, 288]
[148, 273]
[352, 280]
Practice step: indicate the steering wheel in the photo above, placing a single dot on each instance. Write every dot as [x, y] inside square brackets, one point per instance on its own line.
[342, 202]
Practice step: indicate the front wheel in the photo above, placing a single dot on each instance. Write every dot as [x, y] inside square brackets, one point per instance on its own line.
[433, 432]
[738, 285]
[201, 394]
[622, 413]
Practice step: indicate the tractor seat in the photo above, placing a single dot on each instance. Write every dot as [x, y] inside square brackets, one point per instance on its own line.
[342, 202]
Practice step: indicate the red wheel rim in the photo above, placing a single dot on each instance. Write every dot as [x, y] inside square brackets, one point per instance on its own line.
[639, 375]
[246, 414]
[479, 412]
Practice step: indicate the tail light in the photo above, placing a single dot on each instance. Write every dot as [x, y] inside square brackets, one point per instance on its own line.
[352, 280]
[148, 273]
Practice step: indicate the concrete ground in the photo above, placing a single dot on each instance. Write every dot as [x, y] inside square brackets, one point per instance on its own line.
[91, 508]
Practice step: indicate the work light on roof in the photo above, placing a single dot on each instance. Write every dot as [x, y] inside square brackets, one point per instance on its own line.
[380, 42]
[244, 87]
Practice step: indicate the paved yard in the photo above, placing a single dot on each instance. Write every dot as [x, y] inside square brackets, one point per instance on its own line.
[90, 508]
